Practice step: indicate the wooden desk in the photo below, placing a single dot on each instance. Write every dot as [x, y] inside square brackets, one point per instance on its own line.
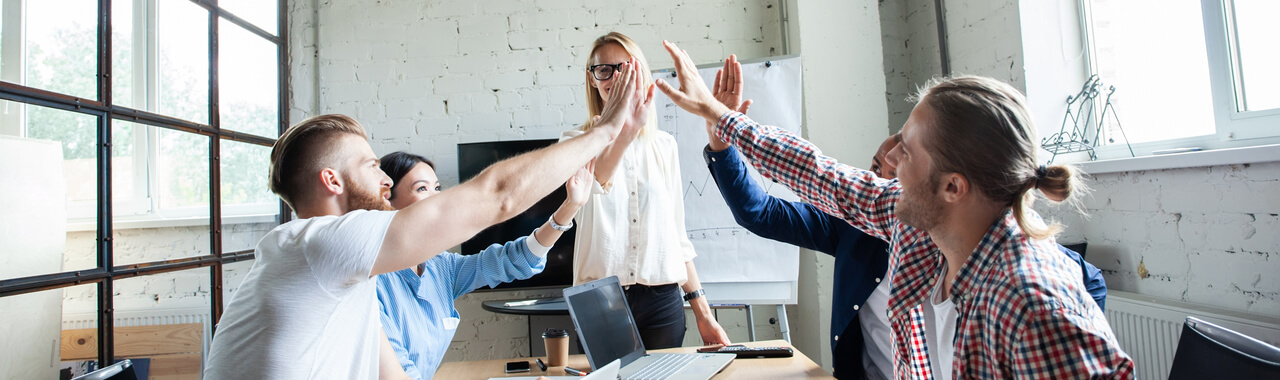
[795, 367]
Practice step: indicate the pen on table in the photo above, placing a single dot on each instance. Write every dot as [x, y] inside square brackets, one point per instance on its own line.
[574, 372]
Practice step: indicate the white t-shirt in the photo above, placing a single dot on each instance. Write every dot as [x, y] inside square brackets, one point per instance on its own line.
[307, 309]
[940, 329]
[876, 336]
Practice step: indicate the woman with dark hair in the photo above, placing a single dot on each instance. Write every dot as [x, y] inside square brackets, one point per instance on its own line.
[417, 303]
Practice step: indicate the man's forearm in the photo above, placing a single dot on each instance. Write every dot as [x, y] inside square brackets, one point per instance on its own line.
[520, 182]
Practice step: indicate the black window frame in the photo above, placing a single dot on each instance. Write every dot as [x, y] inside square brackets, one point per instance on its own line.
[106, 272]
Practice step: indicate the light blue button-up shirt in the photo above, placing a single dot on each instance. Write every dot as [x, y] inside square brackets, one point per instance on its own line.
[417, 311]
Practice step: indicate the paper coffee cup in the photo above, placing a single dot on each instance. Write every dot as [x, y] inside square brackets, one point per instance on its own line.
[557, 345]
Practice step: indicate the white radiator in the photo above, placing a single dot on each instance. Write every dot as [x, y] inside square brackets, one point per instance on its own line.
[1148, 328]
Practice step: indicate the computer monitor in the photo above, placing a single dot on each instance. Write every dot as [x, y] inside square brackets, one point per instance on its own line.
[1209, 351]
[558, 273]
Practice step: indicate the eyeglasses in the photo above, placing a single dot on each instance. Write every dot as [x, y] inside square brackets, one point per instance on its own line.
[604, 71]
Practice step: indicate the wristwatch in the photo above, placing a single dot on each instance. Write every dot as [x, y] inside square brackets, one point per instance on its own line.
[558, 227]
[694, 294]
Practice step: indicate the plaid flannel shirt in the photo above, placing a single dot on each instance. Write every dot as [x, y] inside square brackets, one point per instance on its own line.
[1023, 311]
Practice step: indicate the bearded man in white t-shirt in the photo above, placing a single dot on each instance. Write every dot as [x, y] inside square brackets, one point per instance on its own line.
[308, 307]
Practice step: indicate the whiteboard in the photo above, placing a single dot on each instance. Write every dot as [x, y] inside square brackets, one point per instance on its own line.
[734, 265]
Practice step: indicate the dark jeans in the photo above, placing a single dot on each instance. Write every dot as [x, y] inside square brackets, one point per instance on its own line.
[659, 314]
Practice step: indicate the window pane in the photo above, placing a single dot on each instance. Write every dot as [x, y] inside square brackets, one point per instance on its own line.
[260, 13]
[248, 84]
[183, 174]
[36, 325]
[245, 172]
[1258, 35]
[184, 60]
[48, 177]
[163, 319]
[123, 60]
[52, 47]
[161, 58]
[1138, 51]
[181, 192]
[129, 190]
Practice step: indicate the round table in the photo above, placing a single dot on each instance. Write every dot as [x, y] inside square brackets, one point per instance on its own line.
[541, 306]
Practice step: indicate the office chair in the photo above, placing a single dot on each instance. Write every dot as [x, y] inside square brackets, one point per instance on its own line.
[121, 370]
[1209, 351]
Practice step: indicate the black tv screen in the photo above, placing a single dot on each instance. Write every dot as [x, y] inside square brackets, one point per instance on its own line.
[474, 158]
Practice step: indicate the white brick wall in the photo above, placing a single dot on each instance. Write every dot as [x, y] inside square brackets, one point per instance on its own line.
[911, 57]
[423, 76]
[1205, 235]
[507, 69]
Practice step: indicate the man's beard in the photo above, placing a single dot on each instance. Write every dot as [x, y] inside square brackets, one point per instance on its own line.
[362, 198]
[920, 207]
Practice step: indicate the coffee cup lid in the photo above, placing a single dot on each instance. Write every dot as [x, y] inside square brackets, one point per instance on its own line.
[554, 333]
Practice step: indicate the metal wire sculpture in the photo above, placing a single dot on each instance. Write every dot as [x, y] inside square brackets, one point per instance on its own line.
[1087, 120]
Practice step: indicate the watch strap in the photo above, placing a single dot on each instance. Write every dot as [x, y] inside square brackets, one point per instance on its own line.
[694, 294]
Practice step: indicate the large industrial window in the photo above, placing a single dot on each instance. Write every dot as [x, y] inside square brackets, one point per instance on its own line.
[1189, 73]
[134, 146]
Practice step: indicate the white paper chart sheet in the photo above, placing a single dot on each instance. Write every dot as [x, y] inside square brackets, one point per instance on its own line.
[728, 253]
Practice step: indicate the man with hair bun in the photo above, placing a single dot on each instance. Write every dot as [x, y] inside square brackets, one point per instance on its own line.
[979, 289]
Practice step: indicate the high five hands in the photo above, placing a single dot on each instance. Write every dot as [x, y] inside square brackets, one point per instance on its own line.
[693, 95]
[627, 109]
[728, 90]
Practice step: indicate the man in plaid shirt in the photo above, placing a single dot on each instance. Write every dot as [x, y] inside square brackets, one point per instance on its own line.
[979, 289]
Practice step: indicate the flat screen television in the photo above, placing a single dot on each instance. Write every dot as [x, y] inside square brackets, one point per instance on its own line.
[474, 158]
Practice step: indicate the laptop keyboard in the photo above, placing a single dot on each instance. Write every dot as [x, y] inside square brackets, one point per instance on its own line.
[663, 367]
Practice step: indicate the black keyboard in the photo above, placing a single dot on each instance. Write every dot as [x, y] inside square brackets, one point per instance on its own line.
[756, 352]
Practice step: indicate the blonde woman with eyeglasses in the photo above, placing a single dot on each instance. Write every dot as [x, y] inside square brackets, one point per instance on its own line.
[633, 224]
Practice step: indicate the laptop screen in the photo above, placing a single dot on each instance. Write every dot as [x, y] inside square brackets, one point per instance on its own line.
[604, 322]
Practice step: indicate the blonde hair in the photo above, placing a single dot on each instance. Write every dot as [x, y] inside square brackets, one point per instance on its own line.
[305, 149]
[983, 130]
[595, 103]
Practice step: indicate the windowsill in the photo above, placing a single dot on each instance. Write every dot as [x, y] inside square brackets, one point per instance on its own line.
[173, 222]
[1232, 156]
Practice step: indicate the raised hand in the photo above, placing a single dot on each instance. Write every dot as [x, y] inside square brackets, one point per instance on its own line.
[627, 102]
[693, 95]
[578, 188]
[727, 90]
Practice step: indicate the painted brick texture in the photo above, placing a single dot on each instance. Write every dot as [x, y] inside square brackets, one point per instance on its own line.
[1205, 235]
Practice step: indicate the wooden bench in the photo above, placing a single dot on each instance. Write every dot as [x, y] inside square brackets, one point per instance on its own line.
[174, 350]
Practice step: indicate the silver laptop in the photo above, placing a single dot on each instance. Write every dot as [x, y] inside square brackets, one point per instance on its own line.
[608, 333]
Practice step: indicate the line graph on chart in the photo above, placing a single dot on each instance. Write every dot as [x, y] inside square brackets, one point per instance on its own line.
[725, 251]
[699, 188]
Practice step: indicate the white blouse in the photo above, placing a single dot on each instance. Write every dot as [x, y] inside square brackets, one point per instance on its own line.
[633, 227]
